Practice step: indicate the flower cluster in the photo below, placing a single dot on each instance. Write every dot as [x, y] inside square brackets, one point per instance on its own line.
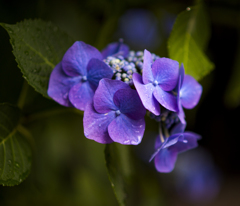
[115, 87]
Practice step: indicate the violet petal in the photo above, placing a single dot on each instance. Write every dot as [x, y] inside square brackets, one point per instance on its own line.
[60, 84]
[81, 94]
[190, 92]
[165, 160]
[76, 58]
[191, 142]
[146, 94]
[96, 125]
[181, 74]
[97, 70]
[126, 131]
[165, 72]
[179, 128]
[115, 48]
[180, 113]
[147, 75]
[103, 98]
[129, 103]
[166, 99]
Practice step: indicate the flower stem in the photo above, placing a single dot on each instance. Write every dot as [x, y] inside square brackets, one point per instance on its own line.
[51, 112]
[160, 132]
[23, 94]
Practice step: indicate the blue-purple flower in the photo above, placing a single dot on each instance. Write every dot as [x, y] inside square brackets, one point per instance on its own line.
[167, 151]
[116, 49]
[189, 92]
[157, 82]
[74, 80]
[198, 180]
[115, 115]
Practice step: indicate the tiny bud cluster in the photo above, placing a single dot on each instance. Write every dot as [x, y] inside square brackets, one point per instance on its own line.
[124, 68]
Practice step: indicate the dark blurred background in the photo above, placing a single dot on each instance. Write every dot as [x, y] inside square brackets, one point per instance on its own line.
[69, 169]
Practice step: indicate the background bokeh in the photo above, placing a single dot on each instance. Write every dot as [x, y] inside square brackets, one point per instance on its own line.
[69, 169]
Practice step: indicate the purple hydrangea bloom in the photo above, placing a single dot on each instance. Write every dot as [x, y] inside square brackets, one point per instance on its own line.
[116, 49]
[140, 29]
[156, 83]
[189, 92]
[198, 178]
[115, 115]
[74, 80]
[166, 152]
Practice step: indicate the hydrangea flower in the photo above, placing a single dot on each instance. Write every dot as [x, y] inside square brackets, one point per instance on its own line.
[115, 115]
[115, 49]
[74, 80]
[167, 151]
[156, 83]
[198, 180]
[189, 92]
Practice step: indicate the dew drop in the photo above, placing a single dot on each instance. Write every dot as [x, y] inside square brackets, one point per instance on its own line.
[188, 9]
[17, 165]
[20, 180]
[9, 161]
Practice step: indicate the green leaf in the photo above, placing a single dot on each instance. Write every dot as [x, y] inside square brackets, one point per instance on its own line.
[232, 93]
[15, 151]
[118, 165]
[188, 40]
[38, 46]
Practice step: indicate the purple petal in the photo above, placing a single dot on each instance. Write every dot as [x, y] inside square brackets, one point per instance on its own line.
[126, 131]
[166, 99]
[180, 113]
[179, 128]
[60, 84]
[129, 103]
[172, 140]
[103, 98]
[181, 74]
[96, 125]
[146, 94]
[115, 48]
[190, 92]
[165, 72]
[147, 75]
[76, 58]
[97, 70]
[191, 142]
[159, 145]
[81, 94]
[165, 160]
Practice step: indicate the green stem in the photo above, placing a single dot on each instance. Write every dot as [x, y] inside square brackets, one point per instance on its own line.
[27, 135]
[160, 132]
[52, 112]
[23, 94]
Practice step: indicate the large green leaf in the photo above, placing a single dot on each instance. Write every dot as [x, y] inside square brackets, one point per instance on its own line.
[118, 164]
[188, 40]
[38, 46]
[15, 151]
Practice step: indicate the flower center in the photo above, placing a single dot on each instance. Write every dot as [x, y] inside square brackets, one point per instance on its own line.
[155, 83]
[118, 112]
[84, 78]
